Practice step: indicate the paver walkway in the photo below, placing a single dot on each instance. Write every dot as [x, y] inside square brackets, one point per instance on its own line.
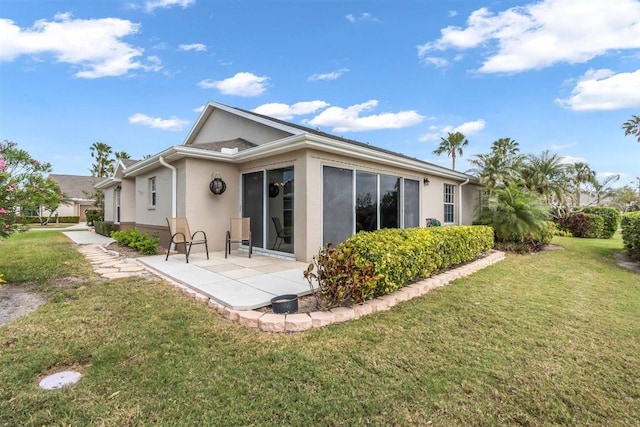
[111, 265]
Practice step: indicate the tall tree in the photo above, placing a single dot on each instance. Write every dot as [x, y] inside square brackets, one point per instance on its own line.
[632, 127]
[546, 175]
[501, 167]
[103, 165]
[122, 155]
[452, 145]
[23, 184]
[602, 189]
[580, 173]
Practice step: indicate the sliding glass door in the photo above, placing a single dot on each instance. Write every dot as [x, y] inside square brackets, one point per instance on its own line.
[268, 199]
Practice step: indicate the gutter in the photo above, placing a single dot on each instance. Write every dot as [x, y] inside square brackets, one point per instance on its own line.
[460, 201]
[174, 186]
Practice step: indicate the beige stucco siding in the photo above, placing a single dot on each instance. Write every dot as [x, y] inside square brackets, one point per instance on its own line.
[128, 201]
[204, 210]
[222, 126]
[153, 215]
[470, 200]
[109, 204]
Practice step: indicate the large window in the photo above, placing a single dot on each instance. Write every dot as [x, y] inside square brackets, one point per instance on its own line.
[449, 203]
[152, 192]
[411, 203]
[337, 205]
[376, 202]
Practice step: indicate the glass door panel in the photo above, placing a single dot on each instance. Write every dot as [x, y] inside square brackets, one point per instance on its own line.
[253, 205]
[280, 213]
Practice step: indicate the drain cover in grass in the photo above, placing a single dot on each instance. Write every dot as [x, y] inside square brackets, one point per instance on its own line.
[60, 379]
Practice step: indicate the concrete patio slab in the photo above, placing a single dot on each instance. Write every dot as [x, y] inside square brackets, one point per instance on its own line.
[231, 284]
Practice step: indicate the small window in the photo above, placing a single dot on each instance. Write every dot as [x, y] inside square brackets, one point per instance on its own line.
[448, 203]
[152, 191]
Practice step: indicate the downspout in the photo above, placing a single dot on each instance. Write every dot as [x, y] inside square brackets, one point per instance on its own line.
[460, 201]
[174, 186]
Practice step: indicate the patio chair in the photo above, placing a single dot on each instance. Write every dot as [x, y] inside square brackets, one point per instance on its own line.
[281, 232]
[181, 235]
[240, 232]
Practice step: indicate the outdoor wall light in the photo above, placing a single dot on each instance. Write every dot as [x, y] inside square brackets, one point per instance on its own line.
[426, 180]
[217, 185]
[118, 187]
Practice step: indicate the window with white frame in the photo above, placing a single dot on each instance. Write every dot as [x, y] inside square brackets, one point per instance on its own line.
[152, 192]
[449, 203]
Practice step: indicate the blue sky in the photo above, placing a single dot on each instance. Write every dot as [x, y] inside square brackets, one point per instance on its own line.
[557, 75]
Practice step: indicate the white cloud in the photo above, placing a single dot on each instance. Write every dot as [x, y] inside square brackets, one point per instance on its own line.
[466, 128]
[287, 112]
[95, 46]
[198, 47]
[152, 5]
[327, 76]
[569, 160]
[242, 84]
[453, 13]
[544, 33]
[365, 16]
[604, 90]
[199, 109]
[172, 123]
[436, 61]
[349, 119]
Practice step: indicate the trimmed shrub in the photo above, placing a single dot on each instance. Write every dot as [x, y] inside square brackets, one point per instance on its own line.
[631, 234]
[585, 225]
[68, 219]
[103, 227]
[611, 217]
[94, 215]
[383, 261]
[134, 239]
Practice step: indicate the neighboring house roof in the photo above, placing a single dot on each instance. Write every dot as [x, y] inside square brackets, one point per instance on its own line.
[298, 137]
[76, 187]
[128, 162]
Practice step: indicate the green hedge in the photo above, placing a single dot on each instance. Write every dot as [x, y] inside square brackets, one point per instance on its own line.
[631, 234]
[580, 224]
[60, 219]
[94, 215]
[611, 217]
[103, 227]
[403, 255]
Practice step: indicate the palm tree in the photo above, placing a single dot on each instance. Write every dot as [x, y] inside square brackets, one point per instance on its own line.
[452, 145]
[547, 176]
[602, 189]
[103, 165]
[494, 171]
[632, 127]
[505, 147]
[122, 155]
[580, 173]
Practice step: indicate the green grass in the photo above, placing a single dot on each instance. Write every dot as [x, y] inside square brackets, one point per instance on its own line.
[545, 339]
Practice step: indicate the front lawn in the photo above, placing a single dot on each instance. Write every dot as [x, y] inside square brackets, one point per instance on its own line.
[545, 339]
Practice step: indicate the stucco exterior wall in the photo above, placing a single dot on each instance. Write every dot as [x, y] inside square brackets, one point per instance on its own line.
[471, 198]
[222, 126]
[109, 204]
[153, 215]
[127, 201]
[204, 210]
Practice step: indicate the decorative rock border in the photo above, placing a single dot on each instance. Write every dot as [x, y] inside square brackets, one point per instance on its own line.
[110, 265]
[270, 322]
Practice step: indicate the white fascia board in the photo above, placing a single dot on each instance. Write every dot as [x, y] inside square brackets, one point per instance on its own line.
[176, 153]
[108, 182]
[211, 105]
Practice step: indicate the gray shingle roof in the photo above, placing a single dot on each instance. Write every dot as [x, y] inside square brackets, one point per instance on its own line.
[76, 186]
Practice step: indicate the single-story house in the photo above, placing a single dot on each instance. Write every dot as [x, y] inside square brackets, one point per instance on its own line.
[302, 188]
[78, 192]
